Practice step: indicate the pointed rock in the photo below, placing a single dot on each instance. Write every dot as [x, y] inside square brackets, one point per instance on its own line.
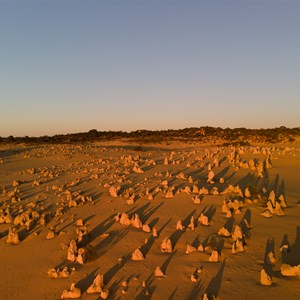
[124, 219]
[137, 223]
[214, 257]
[192, 224]
[146, 228]
[82, 256]
[224, 232]
[179, 225]
[287, 270]
[97, 285]
[265, 279]
[159, 273]
[72, 251]
[13, 237]
[190, 249]
[166, 246]
[72, 293]
[154, 232]
[137, 255]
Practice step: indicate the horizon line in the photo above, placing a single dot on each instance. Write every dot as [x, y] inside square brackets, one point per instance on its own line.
[147, 130]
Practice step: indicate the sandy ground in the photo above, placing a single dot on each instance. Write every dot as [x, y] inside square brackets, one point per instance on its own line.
[90, 171]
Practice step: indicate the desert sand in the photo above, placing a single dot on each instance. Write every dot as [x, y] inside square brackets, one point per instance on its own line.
[155, 222]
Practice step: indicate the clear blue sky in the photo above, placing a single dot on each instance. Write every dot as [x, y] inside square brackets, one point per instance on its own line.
[71, 66]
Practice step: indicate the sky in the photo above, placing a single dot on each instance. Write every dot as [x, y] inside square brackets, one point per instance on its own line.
[72, 66]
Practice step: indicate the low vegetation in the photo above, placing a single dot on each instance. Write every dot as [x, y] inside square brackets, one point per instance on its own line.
[212, 135]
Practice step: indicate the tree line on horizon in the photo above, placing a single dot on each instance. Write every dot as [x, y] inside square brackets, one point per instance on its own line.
[242, 136]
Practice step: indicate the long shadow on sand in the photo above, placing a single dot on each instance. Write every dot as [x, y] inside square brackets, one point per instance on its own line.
[274, 185]
[177, 234]
[171, 297]
[195, 292]
[209, 212]
[214, 286]
[229, 224]
[115, 268]
[145, 212]
[101, 228]
[270, 248]
[84, 283]
[246, 223]
[149, 289]
[222, 173]
[292, 257]
[281, 188]
[163, 227]
[165, 265]
[101, 248]
[146, 247]
[114, 288]
[249, 179]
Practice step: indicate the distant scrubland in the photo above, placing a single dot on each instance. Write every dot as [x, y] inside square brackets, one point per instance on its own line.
[212, 135]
